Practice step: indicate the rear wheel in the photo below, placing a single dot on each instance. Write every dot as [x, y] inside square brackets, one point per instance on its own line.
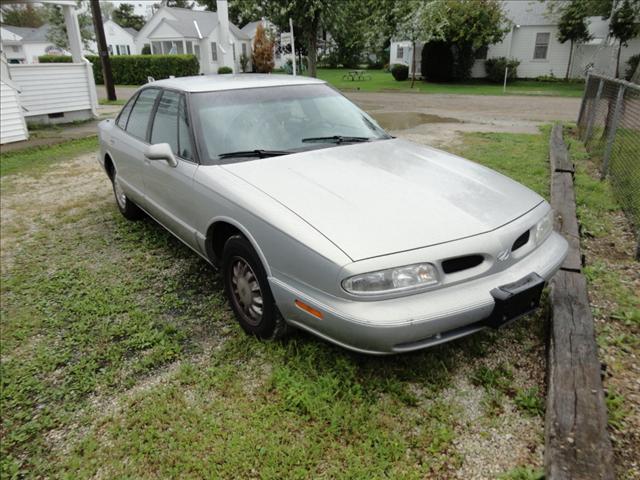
[247, 288]
[128, 209]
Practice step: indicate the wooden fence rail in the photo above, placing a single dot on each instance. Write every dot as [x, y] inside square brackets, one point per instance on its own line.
[577, 444]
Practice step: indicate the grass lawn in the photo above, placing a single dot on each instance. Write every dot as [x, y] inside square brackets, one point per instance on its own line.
[120, 359]
[39, 159]
[119, 101]
[383, 81]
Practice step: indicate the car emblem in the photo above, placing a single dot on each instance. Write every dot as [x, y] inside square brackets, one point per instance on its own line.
[502, 256]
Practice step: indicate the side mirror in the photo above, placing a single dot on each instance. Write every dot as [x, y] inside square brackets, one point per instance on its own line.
[161, 151]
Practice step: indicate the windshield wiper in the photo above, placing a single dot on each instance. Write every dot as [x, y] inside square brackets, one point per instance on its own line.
[254, 153]
[337, 139]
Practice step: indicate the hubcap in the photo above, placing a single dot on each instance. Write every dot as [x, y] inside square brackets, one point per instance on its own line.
[246, 291]
[121, 198]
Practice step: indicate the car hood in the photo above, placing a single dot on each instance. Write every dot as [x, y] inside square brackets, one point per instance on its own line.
[388, 196]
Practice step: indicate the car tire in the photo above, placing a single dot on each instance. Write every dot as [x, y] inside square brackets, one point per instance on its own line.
[128, 209]
[248, 292]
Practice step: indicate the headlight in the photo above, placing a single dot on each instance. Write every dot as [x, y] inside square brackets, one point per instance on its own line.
[392, 280]
[543, 228]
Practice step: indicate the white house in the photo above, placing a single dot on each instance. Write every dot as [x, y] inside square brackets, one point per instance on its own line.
[208, 35]
[25, 45]
[120, 40]
[533, 41]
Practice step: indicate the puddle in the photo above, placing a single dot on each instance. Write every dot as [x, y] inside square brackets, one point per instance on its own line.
[404, 120]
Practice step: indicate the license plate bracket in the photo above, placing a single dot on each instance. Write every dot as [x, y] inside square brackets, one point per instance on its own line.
[515, 300]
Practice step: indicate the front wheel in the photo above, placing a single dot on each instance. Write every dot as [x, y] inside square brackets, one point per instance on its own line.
[247, 288]
[128, 209]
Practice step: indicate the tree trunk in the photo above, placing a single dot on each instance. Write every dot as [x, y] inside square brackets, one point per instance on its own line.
[635, 78]
[618, 59]
[566, 77]
[313, 44]
[413, 63]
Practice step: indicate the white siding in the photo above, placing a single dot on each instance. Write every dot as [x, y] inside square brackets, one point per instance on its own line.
[53, 87]
[524, 40]
[12, 125]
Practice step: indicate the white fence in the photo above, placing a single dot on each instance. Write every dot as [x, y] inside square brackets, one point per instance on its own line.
[47, 88]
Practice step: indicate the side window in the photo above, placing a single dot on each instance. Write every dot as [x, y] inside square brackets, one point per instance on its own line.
[184, 139]
[542, 46]
[139, 118]
[165, 123]
[124, 114]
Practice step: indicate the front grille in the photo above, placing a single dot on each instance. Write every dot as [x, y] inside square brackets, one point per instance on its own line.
[458, 264]
[520, 241]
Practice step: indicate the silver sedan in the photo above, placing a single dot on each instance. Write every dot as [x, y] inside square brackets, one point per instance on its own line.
[321, 220]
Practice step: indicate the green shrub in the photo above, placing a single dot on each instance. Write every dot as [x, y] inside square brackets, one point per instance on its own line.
[225, 70]
[55, 59]
[495, 69]
[146, 50]
[632, 64]
[400, 72]
[134, 69]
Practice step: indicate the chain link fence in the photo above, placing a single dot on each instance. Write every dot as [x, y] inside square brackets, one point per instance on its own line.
[609, 126]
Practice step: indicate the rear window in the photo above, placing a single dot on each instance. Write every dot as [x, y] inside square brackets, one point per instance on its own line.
[141, 112]
[124, 114]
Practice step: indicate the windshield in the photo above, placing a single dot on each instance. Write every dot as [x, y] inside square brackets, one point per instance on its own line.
[232, 123]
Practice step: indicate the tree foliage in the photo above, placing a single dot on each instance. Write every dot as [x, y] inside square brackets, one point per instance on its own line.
[625, 21]
[624, 25]
[472, 25]
[58, 30]
[572, 26]
[28, 15]
[180, 4]
[125, 16]
[309, 17]
[262, 51]
[425, 22]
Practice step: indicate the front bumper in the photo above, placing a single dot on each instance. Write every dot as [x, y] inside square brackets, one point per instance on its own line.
[417, 321]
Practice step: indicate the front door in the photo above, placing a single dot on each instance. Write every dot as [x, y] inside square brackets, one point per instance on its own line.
[128, 143]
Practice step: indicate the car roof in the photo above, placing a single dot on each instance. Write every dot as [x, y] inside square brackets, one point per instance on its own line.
[212, 83]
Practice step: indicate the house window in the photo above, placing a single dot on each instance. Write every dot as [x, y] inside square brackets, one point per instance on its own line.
[189, 47]
[123, 50]
[233, 47]
[156, 48]
[110, 48]
[542, 46]
[196, 50]
[214, 51]
[400, 53]
[244, 49]
[481, 53]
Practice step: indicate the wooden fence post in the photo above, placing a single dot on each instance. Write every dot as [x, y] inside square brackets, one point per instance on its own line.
[592, 117]
[611, 134]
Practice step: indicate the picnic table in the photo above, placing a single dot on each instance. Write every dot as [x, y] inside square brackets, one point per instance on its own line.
[356, 75]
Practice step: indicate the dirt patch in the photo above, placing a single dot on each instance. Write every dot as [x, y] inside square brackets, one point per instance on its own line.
[405, 120]
[29, 203]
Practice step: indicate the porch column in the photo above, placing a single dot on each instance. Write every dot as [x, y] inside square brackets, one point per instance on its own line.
[73, 32]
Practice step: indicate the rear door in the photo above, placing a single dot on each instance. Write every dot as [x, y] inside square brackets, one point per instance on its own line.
[130, 143]
[169, 190]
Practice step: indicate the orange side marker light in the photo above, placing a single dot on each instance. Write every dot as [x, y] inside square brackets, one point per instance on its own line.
[308, 309]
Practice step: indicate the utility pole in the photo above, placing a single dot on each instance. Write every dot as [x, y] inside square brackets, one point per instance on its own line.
[103, 52]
